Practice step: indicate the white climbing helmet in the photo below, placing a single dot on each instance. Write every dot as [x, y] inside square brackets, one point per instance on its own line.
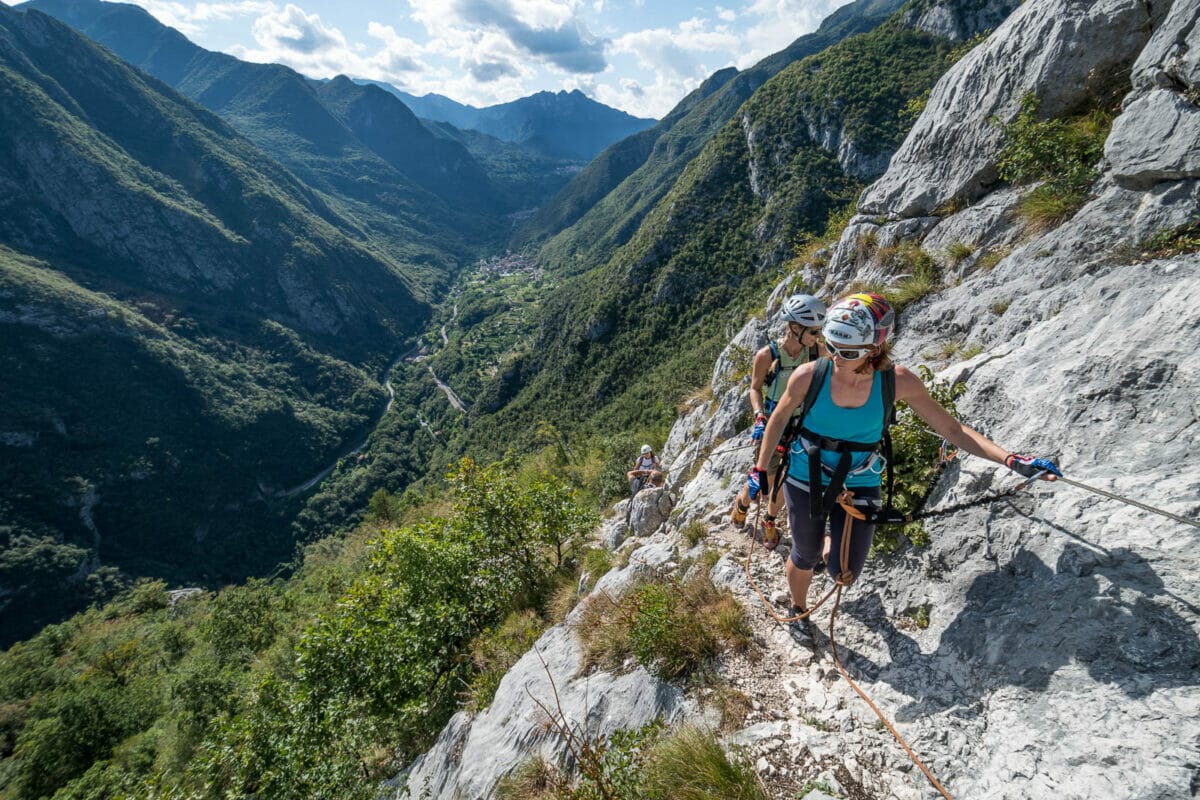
[859, 320]
[647, 449]
[804, 309]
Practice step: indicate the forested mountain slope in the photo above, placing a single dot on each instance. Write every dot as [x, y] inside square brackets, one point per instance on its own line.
[616, 346]
[603, 205]
[188, 327]
[421, 197]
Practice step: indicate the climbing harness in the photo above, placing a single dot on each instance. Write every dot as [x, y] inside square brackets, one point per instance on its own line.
[813, 443]
[845, 499]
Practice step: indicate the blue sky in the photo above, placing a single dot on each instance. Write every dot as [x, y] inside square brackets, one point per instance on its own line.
[641, 56]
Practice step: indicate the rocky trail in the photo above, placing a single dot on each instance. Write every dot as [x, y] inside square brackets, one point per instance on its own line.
[801, 710]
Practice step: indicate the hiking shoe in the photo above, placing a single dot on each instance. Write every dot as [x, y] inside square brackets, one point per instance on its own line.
[770, 535]
[738, 515]
[801, 630]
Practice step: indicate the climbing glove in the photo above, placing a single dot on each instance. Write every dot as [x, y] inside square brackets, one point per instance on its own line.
[760, 424]
[1028, 466]
[756, 481]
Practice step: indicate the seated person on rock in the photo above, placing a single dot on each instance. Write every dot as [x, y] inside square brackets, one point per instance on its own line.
[647, 471]
[836, 448]
[802, 316]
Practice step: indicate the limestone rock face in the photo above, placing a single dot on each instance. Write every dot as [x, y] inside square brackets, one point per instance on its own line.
[963, 20]
[650, 510]
[473, 752]
[1058, 49]
[1155, 140]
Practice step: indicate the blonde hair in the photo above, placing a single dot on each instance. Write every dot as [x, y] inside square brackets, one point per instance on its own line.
[882, 360]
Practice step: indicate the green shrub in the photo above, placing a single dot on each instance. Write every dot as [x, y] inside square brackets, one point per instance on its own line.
[694, 532]
[1172, 242]
[1064, 154]
[915, 453]
[670, 627]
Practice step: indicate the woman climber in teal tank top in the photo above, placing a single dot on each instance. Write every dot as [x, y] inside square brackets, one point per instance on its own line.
[838, 439]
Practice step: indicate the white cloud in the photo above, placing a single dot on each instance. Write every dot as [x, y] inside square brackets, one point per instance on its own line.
[677, 53]
[551, 31]
[307, 44]
[292, 30]
[779, 23]
[726, 14]
[190, 19]
[646, 100]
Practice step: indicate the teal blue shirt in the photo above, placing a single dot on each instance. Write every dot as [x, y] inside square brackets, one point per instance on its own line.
[861, 424]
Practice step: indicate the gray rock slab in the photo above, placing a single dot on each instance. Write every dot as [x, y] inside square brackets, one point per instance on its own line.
[474, 752]
[1156, 138]
[1057, 49]
[1172, 56]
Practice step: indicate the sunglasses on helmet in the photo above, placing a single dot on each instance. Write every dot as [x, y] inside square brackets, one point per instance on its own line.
[848, 353]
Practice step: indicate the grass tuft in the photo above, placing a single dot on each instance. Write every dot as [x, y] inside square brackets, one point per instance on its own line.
[694, 532]
[671, 628]
[496, 651]
[958, 252]
[690, 764]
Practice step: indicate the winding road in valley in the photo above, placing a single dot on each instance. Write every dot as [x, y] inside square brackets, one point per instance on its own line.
[454, 399]
[315, 479]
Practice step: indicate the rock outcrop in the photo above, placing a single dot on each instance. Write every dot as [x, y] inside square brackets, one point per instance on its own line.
[474, 751]
[1063, 51]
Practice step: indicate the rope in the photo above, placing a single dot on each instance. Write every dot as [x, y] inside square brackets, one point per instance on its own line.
[1133, 503]
[843, 580]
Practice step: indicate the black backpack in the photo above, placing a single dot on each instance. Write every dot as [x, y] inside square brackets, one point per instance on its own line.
[822, 504]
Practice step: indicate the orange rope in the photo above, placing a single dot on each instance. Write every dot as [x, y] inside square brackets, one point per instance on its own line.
[844, 579]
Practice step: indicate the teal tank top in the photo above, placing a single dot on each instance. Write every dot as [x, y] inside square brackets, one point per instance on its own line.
[861, 424]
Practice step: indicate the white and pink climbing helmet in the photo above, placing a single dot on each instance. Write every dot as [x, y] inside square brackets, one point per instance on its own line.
[859, 320]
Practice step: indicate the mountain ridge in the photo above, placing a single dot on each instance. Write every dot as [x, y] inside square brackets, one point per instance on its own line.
[528, 121]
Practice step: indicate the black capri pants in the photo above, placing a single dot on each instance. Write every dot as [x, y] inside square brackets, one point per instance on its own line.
[808, 535]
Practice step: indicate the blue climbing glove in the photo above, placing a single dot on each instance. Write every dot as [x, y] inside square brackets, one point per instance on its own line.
[756, 481]
[1028, 466]
[760, 424]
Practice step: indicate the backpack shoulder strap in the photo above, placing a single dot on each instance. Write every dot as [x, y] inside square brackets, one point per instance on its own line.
[820, 371]
[889, 397]
[889, 419]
